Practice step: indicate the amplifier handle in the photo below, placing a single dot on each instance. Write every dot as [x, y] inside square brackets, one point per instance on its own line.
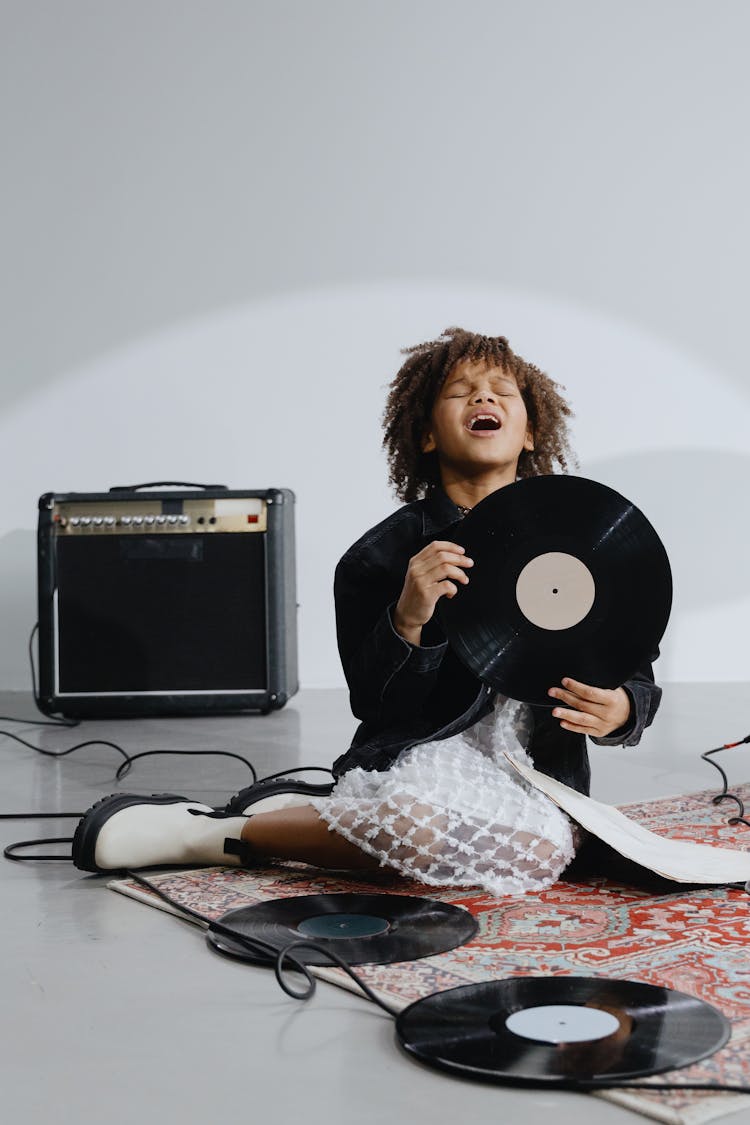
[163, 484]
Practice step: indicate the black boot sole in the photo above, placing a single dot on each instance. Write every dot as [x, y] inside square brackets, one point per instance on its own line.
[262, 789]
[92, 822]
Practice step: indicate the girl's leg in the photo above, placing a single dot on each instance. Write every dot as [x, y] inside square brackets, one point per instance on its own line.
[299, 833]
[449, 814]
[128, 830]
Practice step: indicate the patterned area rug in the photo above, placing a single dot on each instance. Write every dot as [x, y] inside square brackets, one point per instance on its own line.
[695, 941]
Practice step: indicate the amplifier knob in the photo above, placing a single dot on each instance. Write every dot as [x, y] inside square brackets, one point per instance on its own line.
[85, 521]
[109, 521]
[161, 520]
[149, 519]
[137, 520]
[184, 520]
[125, 521]
[172, 519]
[98, 521]
[74, 521]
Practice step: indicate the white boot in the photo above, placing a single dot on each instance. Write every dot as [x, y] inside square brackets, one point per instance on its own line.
[126, 830]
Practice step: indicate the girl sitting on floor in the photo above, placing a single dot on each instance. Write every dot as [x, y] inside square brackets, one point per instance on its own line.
[425, 788]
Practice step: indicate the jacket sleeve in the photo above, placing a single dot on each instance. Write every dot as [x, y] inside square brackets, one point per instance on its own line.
[645, 697]
[389, 679]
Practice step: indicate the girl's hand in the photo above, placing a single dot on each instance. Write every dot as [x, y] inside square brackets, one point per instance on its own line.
[593, 711]
[432, 574]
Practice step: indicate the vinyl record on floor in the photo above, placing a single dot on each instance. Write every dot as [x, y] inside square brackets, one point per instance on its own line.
[364, 929]
[569, 579]
[560, 1031]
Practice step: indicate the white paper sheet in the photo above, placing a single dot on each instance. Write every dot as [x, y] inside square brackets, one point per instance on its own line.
[674, 859]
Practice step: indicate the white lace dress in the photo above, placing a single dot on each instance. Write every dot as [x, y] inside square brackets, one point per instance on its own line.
[454, 813]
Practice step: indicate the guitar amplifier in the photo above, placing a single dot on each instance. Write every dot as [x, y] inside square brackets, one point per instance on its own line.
[157, 602]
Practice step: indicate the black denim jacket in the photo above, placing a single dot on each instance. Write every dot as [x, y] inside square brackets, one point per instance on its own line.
[406, 694]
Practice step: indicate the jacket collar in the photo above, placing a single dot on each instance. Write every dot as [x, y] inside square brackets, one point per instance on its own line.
[438, 511]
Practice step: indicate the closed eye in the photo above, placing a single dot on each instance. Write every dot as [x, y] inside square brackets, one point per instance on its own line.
[461, 390]
[495, 394]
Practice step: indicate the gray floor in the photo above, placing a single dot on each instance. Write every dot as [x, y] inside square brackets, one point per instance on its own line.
[116, 1013]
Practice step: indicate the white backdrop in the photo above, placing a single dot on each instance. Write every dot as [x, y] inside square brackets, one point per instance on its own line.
[289, 392]
[220, 223]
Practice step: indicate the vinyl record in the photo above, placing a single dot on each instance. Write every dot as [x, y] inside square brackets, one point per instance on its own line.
[569, 579]
[363, 929]
[560, 1031]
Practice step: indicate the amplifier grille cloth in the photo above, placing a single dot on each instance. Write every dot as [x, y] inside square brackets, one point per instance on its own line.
[161, 613]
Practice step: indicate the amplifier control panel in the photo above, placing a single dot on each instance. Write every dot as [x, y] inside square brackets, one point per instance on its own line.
[154, 516]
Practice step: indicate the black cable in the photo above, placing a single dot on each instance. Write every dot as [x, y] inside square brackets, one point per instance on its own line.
[336, 960]
[64, 753]
[39, 815]
[725, 795]
[124, 768]
[32, 634]
[36, 722]
[42, 723]
[128, 759]
[659, 1086]
[51, 722]
[273, 954]
[9, 852]
[259, 948]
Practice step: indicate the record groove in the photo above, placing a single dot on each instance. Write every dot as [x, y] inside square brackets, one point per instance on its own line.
[569, 579]
[362, 928]
[514, 1031]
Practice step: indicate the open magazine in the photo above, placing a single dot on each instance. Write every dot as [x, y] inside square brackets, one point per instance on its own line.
[673, 859]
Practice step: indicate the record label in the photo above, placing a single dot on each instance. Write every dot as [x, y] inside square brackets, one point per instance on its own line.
[555, 590]
[342, 926]
[561, 1023]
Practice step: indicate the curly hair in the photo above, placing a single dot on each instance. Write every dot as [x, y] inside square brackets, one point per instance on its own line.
[417, 385]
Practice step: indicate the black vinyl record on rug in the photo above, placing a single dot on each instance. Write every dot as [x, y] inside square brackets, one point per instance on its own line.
[569, 579]
[364, 929]
[574, 1032]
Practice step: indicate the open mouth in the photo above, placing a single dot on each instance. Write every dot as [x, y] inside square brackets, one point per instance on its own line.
[484, 422]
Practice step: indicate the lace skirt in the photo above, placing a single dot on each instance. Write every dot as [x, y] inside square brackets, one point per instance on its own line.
[454, 813]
